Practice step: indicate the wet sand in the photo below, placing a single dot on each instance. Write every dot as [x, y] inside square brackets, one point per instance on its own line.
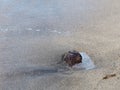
[34, 35]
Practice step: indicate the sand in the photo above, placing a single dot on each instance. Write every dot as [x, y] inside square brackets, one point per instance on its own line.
[34, 35]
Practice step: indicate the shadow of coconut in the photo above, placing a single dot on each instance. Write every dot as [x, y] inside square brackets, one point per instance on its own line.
[36, 72]
[60, 68]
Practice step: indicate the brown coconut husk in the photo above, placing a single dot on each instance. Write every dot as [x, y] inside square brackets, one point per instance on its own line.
[72, 57]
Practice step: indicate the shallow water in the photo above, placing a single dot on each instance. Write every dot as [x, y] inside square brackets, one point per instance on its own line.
[29, 30]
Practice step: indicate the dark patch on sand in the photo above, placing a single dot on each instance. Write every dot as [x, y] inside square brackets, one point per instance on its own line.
[109, 76]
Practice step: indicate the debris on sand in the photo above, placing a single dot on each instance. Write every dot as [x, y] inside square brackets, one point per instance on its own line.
[109, 76]
[72, 57]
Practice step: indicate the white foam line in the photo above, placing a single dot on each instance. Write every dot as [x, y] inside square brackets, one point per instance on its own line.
[86, 64]
[4, 30]
[55, 31]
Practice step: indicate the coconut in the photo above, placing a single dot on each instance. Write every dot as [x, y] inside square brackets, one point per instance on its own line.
[72, 57]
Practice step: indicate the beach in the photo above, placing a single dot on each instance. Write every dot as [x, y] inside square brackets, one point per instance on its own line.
[34, 35]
